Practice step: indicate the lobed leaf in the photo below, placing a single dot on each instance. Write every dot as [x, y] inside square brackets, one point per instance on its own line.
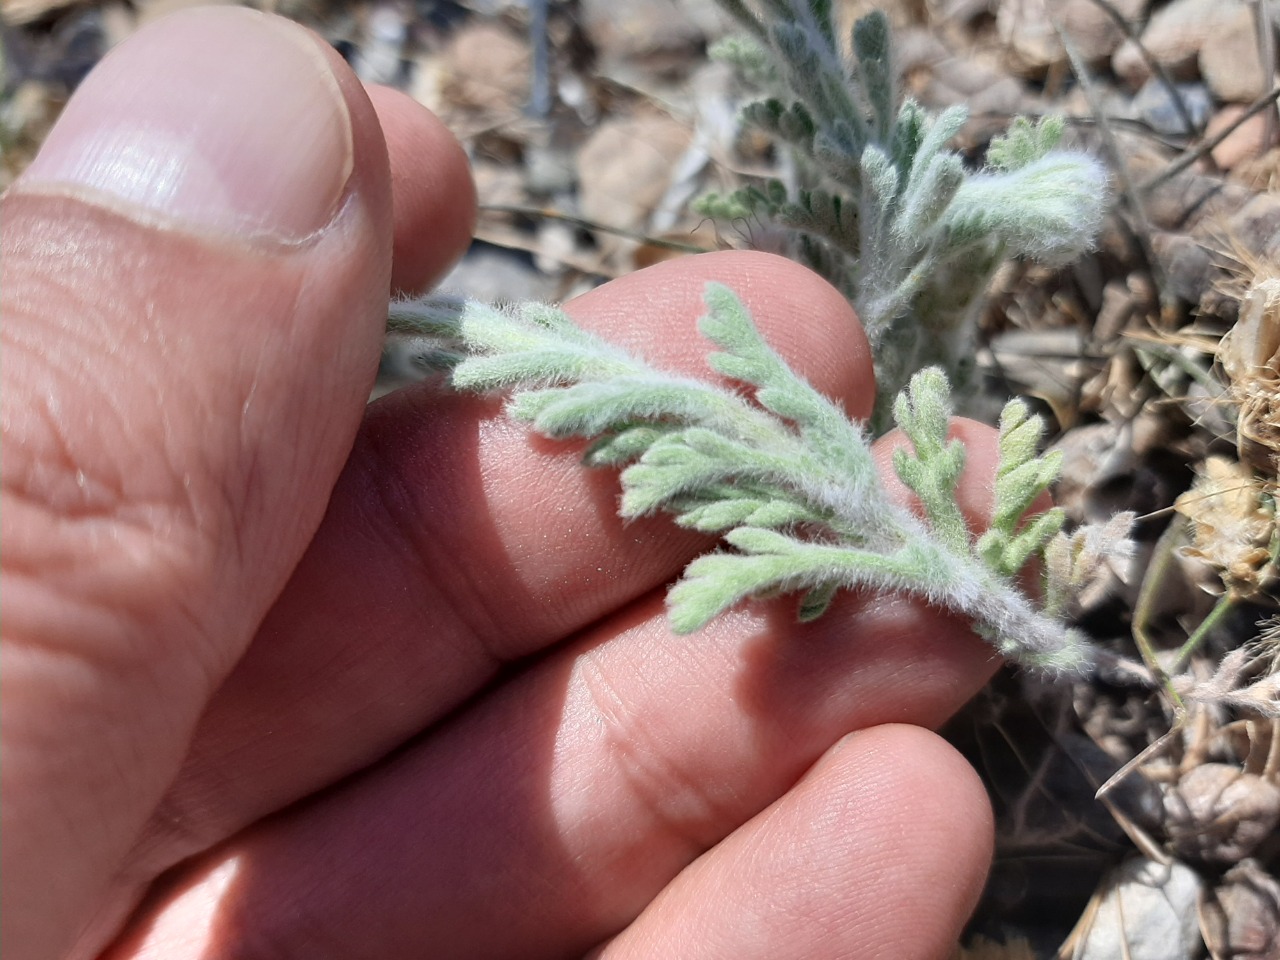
[790, 484]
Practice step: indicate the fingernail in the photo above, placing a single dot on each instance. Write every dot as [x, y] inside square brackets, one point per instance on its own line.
[222, 118]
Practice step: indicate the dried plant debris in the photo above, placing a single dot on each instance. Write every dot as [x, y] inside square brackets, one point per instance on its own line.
[1233, 526]
[1054, 841]
[1250, 359]
[1247, 681]
[1083, 564]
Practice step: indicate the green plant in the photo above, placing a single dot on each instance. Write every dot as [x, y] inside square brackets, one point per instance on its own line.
[782, 475]
[786, 479]
[881, 208]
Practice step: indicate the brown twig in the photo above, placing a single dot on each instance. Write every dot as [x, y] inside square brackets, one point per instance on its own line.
[546, 213]
[1191, 156]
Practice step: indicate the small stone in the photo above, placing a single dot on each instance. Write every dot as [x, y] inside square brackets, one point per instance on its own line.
[1255, 226]
[917, 48]
[1246, 142]
[1192, 201]
[1240, 917]
[148, 11]
[1230, 60]
[1156, 107]
[488, 68]
[1025, 28]
[624, 169]
[379, 58]
[1219, 814]
[1028, 28]
[1174, 37]
[1188, 266]
[1148, 912]
[638, 28]
[497, 274]
[962, 11]
[1117, 307]
[548, 170]
[983, 89]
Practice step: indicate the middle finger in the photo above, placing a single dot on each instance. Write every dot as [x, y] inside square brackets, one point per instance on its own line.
[544, 818]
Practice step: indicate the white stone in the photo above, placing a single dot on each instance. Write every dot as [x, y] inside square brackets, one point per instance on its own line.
[1148, 913]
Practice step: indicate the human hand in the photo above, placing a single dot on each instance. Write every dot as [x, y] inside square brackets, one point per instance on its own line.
[283, 676]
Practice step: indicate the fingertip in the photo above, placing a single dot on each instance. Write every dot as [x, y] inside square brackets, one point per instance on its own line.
[433, 194]
[923, 835]
[946, 799]
[880, 850]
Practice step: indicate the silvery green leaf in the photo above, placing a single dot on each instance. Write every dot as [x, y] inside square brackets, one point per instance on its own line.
[1024, 142]
[789, 481]
[923, 411]
[938, 132]
[1017, 488]
[929, 192]
[1031, 540]
[589, 408]
[719, 515]
[873, 52]
[1050, 209]
[815, 602]
[616, 449]
[1020, 434]
[908, 235]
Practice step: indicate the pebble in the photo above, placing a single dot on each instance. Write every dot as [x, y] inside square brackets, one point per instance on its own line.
[1155, 106]
[1174, 37]
[1230, 60]
[1220, 814]
[1241, 917]
[488, 68]
[1246, 142]
[1147, 913]
[380, 58]
[1256, 226]
[639, 28]
[1028, 28]
[548, 170]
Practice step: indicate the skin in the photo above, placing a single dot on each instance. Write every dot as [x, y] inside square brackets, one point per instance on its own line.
[283, 675]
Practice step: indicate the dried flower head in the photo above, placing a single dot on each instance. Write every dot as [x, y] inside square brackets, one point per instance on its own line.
[1084, 561]
[1233, 525]
[1250, 358]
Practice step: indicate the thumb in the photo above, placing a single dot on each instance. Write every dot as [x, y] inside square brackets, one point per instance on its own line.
[196, 269]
